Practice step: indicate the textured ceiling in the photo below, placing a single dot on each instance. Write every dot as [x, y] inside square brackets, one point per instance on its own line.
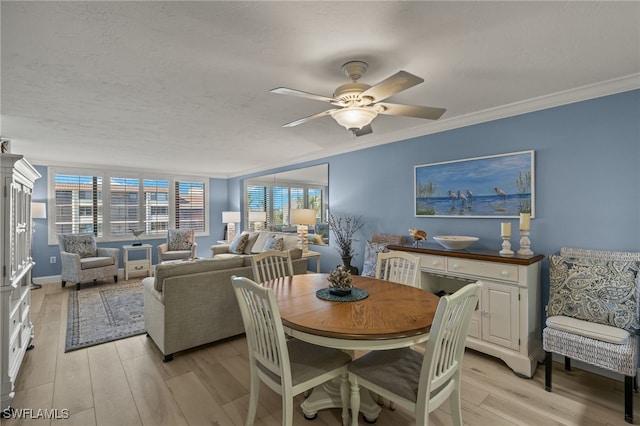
[184, 86]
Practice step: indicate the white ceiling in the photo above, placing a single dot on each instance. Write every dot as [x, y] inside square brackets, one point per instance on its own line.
[184, 86]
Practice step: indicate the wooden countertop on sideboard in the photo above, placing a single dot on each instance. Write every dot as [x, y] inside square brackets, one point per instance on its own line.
[470, 253]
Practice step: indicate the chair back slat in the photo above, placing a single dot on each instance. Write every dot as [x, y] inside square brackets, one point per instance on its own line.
[270, 265]
[263, 326]
[399, 267]
[445, 348]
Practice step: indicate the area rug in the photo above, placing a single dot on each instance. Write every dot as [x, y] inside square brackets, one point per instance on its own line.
[103, 313]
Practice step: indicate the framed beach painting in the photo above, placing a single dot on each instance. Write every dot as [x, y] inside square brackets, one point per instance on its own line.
[500, 186]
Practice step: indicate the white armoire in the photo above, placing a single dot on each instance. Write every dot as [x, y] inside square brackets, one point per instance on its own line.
[16, 329]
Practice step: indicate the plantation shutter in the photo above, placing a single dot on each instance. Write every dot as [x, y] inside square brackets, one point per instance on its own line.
[297, 198]
[125, 205]
[189, 205]
[257, 200]
[280, 205]
[156, 205]
[78, 204]
[314, 201]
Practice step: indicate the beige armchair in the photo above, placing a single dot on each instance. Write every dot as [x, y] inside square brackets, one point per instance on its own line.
[181, 244]
[83, 261]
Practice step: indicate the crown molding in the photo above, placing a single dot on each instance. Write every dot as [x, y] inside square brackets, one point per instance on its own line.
[565, 97]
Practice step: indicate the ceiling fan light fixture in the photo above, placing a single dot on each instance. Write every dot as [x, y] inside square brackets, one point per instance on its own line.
[354, 117]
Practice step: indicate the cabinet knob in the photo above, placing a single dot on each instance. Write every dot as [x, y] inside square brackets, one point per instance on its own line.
[484, 313]
[455, 266]
[504, 273]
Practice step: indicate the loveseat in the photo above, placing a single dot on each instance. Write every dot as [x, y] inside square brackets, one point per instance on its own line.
[191, 303]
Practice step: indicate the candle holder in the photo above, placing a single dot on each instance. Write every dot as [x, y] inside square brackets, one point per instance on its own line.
[525, 243]
[506, 246]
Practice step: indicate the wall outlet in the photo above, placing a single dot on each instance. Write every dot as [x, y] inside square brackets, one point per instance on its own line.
[52, 259]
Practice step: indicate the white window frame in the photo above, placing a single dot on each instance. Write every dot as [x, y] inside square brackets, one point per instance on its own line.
[106, 176]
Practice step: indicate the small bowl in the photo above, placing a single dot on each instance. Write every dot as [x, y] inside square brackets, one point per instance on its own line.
[455, 242]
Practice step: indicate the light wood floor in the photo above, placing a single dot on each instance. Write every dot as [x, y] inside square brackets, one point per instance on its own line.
[125, 383]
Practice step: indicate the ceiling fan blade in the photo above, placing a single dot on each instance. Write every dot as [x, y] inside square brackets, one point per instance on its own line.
[309, 118]
[430, 113]
[293, 92]
[398, 82]
[364, 131]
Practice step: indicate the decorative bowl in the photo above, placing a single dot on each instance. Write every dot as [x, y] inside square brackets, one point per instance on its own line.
[455, 242]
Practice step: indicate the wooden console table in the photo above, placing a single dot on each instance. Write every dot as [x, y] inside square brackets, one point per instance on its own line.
[506, 323]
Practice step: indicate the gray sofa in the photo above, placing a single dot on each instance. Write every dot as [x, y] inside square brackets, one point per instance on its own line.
[191, 303]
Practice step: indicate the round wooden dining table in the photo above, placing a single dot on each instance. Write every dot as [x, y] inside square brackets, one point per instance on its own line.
[391, 316]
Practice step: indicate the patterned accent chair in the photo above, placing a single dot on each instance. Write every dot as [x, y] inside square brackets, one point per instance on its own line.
[83, 261]
[593, 315]
[180, 245]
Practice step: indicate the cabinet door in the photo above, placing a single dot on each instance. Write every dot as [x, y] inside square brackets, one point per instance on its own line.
[500, 314]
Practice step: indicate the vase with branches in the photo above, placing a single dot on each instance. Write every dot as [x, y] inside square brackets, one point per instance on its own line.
[344, 229]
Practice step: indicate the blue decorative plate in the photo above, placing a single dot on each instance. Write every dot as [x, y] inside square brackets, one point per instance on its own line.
[356, 294]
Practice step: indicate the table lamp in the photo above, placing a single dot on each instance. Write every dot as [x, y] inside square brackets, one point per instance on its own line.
[230, 218]
[303, 218]
[38, 211]
[258, 219]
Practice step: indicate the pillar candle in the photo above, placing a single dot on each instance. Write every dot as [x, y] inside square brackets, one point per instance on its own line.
[525, 221]
[505, 229]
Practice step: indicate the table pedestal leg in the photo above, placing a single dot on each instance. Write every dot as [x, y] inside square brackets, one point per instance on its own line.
[328, 396]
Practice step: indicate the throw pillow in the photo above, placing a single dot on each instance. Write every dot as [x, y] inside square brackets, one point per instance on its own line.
[83, 245]
[180, 239]
[253, 237]
[595, 290]
[371, 251]
[238, 243]
[274, 243]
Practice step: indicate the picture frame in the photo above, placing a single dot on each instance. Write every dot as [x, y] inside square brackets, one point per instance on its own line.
[494, 186]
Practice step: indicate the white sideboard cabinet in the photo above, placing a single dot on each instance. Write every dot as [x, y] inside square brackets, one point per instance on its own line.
[506, 323]
[16, 329]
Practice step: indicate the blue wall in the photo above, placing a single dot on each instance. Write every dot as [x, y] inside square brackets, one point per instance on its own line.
[587, 181]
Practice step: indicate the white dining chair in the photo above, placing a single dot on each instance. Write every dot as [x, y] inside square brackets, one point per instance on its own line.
[399, 267]
[418, 383]
[288, 367]
[271, 264]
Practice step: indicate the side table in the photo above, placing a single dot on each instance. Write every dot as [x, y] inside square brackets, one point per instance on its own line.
[312, 255]
[139, 265]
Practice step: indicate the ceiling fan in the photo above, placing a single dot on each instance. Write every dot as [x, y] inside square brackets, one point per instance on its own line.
[357, 104]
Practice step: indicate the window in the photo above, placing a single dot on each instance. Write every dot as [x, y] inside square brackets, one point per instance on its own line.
[130, 202]
[125, 205]
[78, 204]
[277, 201]
[156, 205]
[189, 205]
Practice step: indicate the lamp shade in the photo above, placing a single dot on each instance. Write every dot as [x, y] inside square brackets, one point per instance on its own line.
[38, 210]
[303, 217]
[354, 117]
[257, 216]
[230, 217]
